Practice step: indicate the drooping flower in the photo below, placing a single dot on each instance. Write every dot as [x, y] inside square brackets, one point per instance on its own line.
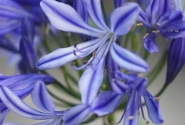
[161, 17]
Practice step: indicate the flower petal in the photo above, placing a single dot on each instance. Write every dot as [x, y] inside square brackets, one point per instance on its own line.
[150, 44]
[152, 10]
[28, 28]
[76, 115]
[95, 11]
[105, 103]
[153, 109]
[15, 104]
[131, 114]
[64, 17]
[4, 112]
[41, 98]
[20, 82]
[176, 59]
[64, 55]
[123, 18]
[28, 55]
[90, 82]
[7, 26]
[140, 85]
[10, 9]
[128, 60]
[119, 87]
[119, 3]
[174, 30]
[79, 6]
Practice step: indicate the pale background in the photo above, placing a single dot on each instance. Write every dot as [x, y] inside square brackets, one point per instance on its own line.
[172, 102]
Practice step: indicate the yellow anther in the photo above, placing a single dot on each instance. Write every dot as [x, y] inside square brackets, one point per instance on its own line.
[145, 35]
[130, 117]
[155, 31]
[139, 24]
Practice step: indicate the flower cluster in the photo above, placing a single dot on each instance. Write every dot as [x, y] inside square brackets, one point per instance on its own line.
[110, 62]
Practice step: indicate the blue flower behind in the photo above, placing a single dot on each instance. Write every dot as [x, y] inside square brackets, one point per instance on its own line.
[161, 17]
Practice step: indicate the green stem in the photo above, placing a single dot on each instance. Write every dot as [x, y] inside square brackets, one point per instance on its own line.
[69, 104]
[162, 90]
[90, 119]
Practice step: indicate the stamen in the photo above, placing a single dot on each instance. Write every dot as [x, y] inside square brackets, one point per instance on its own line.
[176, 31]
[74, 51]
[170, 30]
[139, 24]
[140, 74]
[75, 45]
[147, 122]
[94, 54]
[157, 98]
[158, 24]
[145, 35]
[155, 31]
[131, 117]
[84, 62]
[139, 113]
[95, 116]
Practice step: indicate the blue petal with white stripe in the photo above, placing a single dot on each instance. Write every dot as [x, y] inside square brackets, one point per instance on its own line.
[128, 60]
[64, 17]
[123, 18]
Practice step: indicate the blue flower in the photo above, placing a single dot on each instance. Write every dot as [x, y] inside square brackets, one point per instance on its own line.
[21, 85]
[41, 99]
[161, 17]
[64, 17]
[134, 89]
[176, 59]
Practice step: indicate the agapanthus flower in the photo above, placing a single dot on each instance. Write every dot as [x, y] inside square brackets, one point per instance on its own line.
[134, 89]
[176, 59]
[65, 18]
[161, 17]
[21, 85]
[40, 98]
[105, 39]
